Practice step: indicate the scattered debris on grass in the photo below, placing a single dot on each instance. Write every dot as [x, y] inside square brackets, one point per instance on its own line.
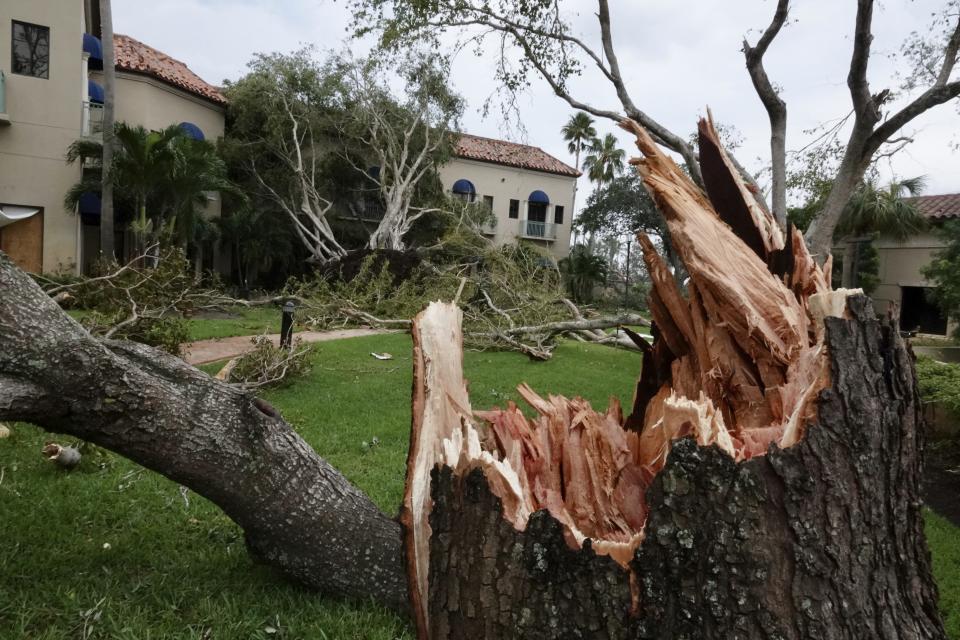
[65, 457]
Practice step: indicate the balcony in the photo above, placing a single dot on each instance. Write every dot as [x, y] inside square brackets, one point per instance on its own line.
[4, 118]
[538, 230]
[92, 125]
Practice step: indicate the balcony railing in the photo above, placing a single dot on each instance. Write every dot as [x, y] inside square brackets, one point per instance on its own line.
[540, 230]
[92, 119]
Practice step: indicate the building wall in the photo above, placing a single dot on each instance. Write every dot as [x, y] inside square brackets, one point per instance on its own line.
[154, 105]
[504, 183]
[900, 265]
[45, 117]
[148, 102]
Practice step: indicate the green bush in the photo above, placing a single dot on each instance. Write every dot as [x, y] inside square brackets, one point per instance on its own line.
[939, 382]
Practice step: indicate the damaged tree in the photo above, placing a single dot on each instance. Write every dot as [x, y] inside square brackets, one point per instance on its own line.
[765, 484]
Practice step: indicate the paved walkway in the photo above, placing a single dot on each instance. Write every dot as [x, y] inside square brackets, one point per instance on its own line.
[204, 351]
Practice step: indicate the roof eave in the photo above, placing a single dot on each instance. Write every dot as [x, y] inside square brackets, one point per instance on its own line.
[573, 173]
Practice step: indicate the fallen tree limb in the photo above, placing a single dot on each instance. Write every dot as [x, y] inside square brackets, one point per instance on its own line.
[298, 513]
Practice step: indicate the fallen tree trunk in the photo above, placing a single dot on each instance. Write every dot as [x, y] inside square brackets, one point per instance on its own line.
[765, 485]
[298, 513]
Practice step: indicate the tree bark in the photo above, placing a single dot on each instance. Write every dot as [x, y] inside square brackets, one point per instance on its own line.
[109, 98]
[696, 522]
[298, 513]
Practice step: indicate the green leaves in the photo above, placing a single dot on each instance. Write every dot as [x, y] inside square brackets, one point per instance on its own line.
[944, 270]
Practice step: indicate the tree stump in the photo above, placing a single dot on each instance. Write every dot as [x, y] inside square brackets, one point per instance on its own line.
[765, 484]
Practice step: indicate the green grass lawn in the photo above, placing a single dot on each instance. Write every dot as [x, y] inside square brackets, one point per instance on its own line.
[114, 551]
[236, 321]
[247, 321]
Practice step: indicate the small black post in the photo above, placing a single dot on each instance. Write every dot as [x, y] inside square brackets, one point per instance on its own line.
[626, 278]
[286, 325]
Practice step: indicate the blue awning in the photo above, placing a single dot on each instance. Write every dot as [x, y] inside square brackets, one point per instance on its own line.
[539, 197]
[192, 130]
[89, 204]
[95, 91]
[464, 186]
[91, 45]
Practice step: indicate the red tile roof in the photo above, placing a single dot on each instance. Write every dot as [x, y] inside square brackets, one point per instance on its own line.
[133, 55]
[940, 207]
[510, 154]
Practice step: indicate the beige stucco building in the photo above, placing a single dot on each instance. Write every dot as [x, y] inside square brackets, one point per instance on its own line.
[901, 264]
[51, 95]
[529, 191]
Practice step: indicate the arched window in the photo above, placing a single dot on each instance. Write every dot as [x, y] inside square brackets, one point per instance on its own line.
[464, 190]
[536, 223]
[537, 203]
[95, 92]
[192, 130]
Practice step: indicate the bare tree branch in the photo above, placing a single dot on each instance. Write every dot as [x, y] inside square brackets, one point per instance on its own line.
[776, 110]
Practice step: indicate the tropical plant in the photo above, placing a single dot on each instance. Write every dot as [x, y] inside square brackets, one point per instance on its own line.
[605, 160]
[166, 174]
[944, 271]
[256, 242]
[874, 210]
[582, 271]
[578, 132]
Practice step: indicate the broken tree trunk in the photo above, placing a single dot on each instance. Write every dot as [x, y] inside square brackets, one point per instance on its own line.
[765, 485]
[298, 513]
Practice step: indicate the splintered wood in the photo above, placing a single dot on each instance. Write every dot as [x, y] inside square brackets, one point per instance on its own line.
[737, 363]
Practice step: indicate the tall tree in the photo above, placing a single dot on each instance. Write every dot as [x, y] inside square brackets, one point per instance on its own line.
[408, 137]
[605, 160]
[944, 272]
[279, 129]
[604, 163]
[578, 131]
[106, 158]
[166, 174]
[551, 48]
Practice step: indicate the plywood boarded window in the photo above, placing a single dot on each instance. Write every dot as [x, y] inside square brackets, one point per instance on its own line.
[23, 242]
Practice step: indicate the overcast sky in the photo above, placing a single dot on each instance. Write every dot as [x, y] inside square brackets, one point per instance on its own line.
[677, 57]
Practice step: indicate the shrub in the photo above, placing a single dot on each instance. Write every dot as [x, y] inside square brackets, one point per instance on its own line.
[270, 366]
[939, 382]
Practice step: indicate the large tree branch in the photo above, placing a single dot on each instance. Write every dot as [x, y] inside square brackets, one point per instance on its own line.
[857, 76]
[776, 110]
[298, 513]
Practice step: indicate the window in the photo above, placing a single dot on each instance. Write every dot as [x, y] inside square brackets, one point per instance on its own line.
[31, 50]
[488, 202]
[464, 190]
[558, 214]
[514, 208]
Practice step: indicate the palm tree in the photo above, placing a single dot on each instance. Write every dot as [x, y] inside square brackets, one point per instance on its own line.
[257, 242]
[109, 83]
[603, 164]
[577, 132]
[581, 272]
[875, 210]
[165, 170]
[605, 161]
[197, 170]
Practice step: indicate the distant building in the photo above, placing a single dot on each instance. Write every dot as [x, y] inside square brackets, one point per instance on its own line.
[50, 95]
[529, 191]
[901, 262]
